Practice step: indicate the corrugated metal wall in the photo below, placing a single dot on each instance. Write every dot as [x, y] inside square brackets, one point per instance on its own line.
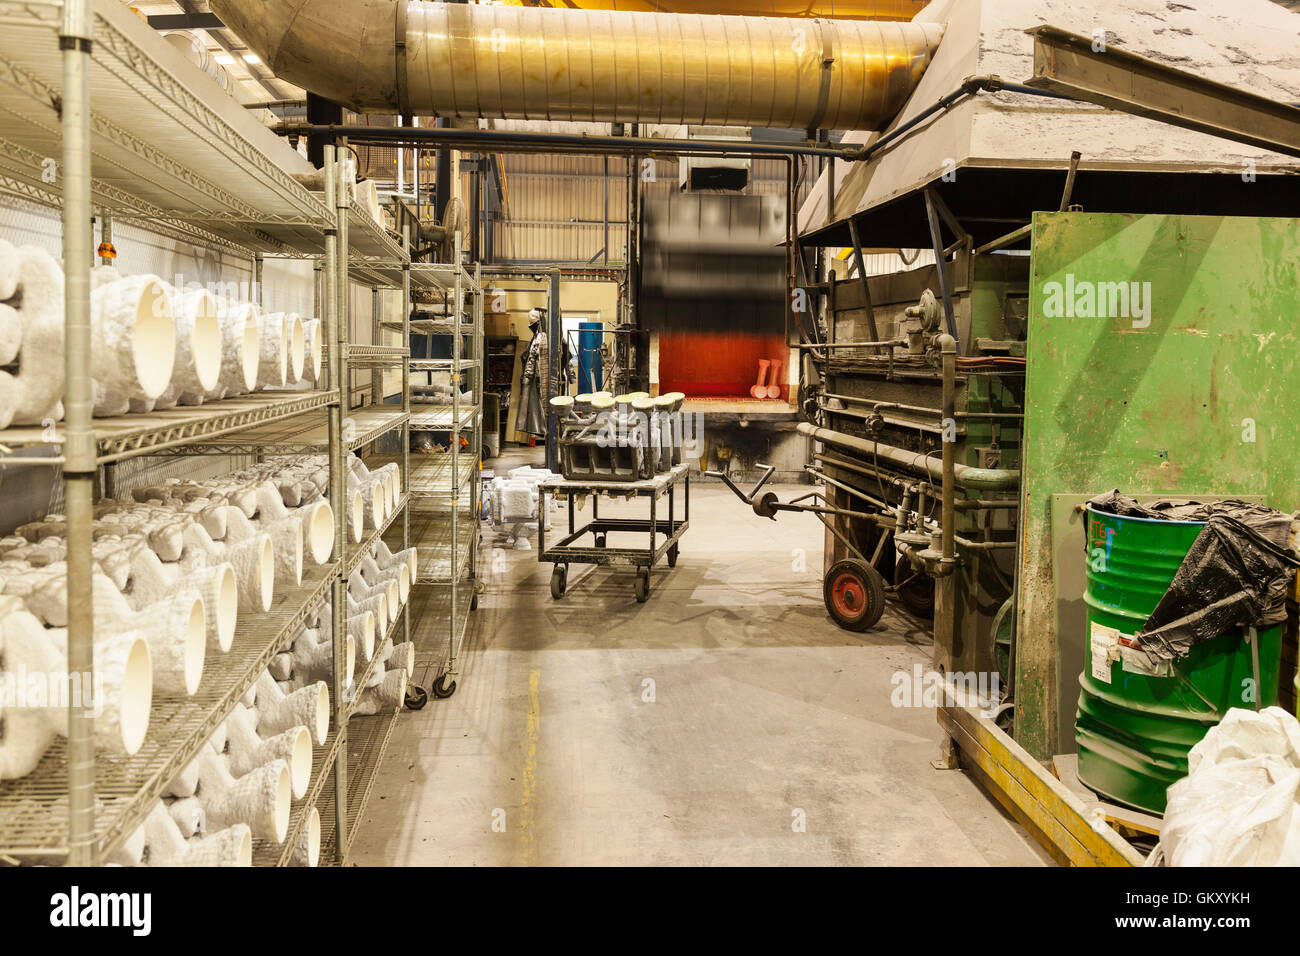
[556, 205]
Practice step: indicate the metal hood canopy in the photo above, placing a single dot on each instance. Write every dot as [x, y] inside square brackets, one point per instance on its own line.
[1005, 153]
[471, 60]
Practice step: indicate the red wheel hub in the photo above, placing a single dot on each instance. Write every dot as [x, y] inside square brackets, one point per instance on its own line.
[849, 595]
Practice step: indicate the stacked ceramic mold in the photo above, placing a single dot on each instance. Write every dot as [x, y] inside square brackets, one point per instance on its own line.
[241, 785]
[630, 437]
[371, 496]
[173, 565]
[153, 346]
[378, 589]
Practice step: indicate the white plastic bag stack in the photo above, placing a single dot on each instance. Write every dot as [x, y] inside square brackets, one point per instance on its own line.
[1240, 803]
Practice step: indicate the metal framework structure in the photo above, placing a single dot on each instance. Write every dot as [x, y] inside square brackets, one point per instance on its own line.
[444, 485]
[150, 111]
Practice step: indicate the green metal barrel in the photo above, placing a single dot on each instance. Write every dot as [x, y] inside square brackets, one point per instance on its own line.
[1136, 722]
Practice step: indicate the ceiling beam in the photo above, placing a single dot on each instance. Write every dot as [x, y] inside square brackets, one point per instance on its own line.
[186, 21]
[1071, 65]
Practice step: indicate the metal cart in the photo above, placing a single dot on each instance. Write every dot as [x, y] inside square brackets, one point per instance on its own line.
[565, 552]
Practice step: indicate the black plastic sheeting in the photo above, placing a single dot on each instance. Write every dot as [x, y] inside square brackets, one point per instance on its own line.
[1235, 575]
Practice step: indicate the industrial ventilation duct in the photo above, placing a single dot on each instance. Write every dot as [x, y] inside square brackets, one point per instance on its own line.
[469, 60]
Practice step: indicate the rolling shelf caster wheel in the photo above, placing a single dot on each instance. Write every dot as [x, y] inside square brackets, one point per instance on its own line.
[672, 556]
[854, 594]
[642, 585]
[442, 688]
[558, 580]
[416, 697]
[600, 541]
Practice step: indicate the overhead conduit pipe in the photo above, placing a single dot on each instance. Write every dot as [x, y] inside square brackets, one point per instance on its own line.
[967, 476]
[605, 66]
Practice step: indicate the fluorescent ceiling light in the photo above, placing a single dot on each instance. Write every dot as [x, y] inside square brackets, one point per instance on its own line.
[252, 58]
[225, 59]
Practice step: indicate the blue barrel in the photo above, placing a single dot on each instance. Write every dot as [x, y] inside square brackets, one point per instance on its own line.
[591, 335]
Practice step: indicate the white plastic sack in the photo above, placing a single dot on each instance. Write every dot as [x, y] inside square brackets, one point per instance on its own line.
[1240, 803]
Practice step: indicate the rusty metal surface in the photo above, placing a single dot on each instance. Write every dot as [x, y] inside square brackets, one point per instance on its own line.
[1194, 397]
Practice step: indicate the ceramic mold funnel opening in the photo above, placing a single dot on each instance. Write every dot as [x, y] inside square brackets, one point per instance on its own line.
[135, 696]
[319, 527]
[205, 337]
[358, 517]
[226, 606]
[266, 571]
[196, 645]
[250, 355]
[297, 345]
[300, 763]
[154, 339]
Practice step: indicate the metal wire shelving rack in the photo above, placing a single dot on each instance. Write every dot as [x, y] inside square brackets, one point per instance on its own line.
[145, 138]
[444, 484]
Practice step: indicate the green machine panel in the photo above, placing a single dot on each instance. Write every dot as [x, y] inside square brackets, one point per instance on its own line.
[1160, 356]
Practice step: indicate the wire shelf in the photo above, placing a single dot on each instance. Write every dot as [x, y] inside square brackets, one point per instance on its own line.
[442, 364]
[266, 853]
[305, 434]
[128, 436]
[375, 355]
[358, 550]
[367, 740]
[33, 809]
[431, 534]
[430, 475]
[163, 148]
[440, 417]
[360, 680]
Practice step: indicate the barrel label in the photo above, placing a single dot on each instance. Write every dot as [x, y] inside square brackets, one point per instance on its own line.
[1104, 641]
[1137, 661]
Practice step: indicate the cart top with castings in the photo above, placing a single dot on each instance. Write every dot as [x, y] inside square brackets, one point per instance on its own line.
[648, 486]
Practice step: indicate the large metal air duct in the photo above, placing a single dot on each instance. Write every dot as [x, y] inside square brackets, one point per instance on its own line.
[472, 60]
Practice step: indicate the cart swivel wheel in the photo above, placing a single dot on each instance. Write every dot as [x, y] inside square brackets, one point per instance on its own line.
[558, 580]
[416, 697]
[672, 556]
[642, 585]
[443, 687]
[473, 601]
[854, 594]
[600, 541]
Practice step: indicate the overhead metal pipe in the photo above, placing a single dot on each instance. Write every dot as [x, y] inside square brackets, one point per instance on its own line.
[497, 140]
[602, 66]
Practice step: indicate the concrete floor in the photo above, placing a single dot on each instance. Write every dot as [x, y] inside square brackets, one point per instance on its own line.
[724, 721]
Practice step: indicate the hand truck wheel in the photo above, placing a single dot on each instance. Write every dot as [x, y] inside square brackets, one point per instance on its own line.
[854, 594]
[443, 688]
[559, 575]
[641, 587]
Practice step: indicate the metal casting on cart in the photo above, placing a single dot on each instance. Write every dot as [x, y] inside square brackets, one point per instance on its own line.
[565, 552]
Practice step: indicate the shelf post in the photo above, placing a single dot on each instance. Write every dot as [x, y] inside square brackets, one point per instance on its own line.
[406, 406]
[335, 337]
[79, 458]
[453, 566]
[480, 378]
[376, 337]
